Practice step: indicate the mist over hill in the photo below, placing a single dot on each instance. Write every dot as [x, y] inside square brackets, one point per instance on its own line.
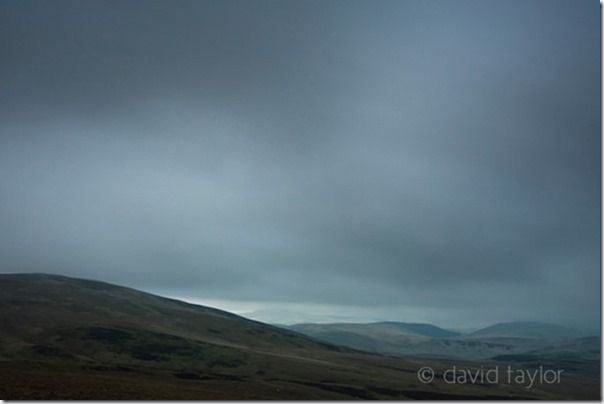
[310, 153]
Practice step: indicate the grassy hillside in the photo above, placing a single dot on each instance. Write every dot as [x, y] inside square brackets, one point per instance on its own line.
[35, 303]
[386, 338]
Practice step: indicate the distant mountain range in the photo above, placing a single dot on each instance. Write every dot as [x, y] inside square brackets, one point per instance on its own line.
[381, 337]
[398, 338]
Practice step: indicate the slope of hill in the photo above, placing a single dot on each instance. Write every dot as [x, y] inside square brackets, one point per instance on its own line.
[381, 337]
[428, 330]
[583, 347]
[526, 329]
[32, 303]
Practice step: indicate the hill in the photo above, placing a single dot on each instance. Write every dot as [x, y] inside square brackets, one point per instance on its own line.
[381, 337]
[425, 340]
[31, 303]
[428, 330]
[526, 329]
[66, 338]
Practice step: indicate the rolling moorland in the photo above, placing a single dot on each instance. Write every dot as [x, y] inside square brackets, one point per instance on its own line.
[511, 341]
[67, 338]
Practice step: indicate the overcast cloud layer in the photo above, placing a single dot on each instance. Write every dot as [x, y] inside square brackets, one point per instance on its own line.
[407, 160]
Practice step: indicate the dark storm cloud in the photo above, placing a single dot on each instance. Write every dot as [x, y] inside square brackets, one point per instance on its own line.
[428, 154]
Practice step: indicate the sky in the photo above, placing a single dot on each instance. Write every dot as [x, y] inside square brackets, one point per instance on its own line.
[414, 160]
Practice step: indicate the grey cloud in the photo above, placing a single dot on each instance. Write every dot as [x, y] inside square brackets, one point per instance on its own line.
[418, 154]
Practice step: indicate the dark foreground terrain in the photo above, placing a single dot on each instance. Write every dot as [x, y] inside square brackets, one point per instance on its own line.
[65, 338]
